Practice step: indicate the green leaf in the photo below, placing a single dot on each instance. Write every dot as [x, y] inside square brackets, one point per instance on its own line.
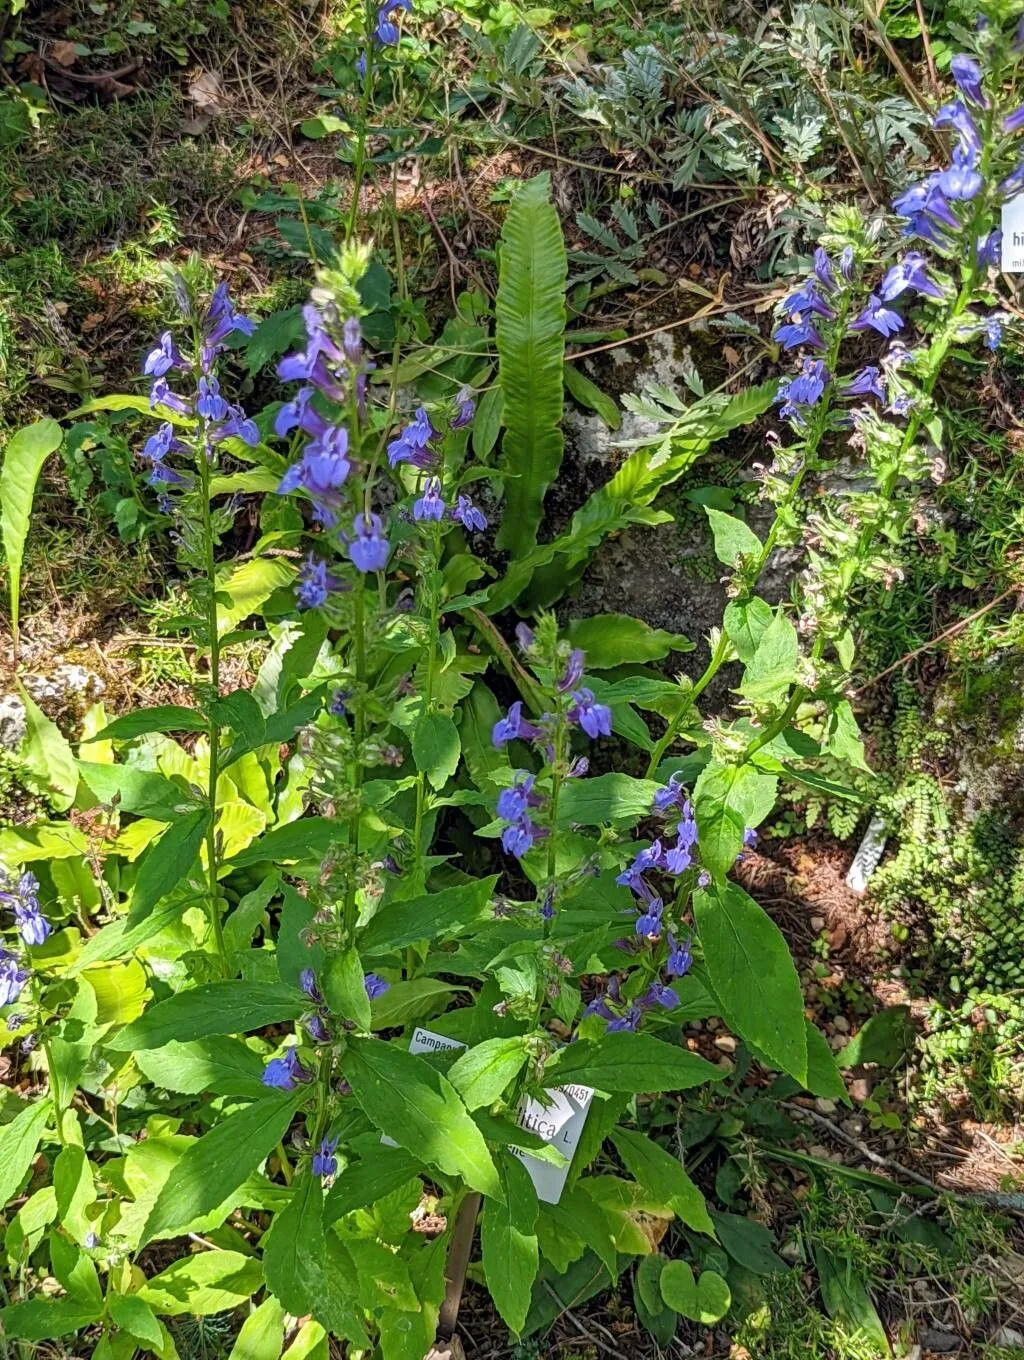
[22, 461]
[823, 1076]
[142, 792]
[654, 1314]
[369, 1181]
[482, 1073]
[713, 1298]
[47, 754]
[419, 1109]
[275, 334]
[662, 1176]
[248, 586]
[750, 968]
[745, 622]
[119, 939]
[262, 1334]
[732, 537]
[846, 1298]
[215, 1063]
[617, 640]
[134, 1316]
[436, 747]
[726, 800]
[19, 1140]
[844, 739]
[588, 394]
[167, 862]
[212, 1008]
[750, 1243]
[885, 1039]
[772, 668]
[345, 988]
[215, 1165]
[631, 1063]
[75, 1190]
[530, 319]
[605, 798]
[432, 917]
[509, 1244]
[411, 1000]
[208, 1282]
[487, 422]
[166, 718]
[679, 1288]
[44, 1319]
[307, 839]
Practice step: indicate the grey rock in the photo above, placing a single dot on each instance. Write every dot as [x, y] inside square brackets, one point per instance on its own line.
[12, 721]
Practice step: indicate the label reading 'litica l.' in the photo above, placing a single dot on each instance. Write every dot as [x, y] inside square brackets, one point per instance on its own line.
[1013, 236]
[558, 1121]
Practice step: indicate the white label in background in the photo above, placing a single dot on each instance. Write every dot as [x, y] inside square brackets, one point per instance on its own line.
[558, 1123]
[1013, 236]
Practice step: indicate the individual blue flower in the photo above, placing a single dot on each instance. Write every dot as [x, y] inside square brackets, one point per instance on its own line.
[802, 390]
[209, 402]
[877, 317]
[238, 426]
[314, 584]
[338, 706]
[573, 673]
[300, 413]
[823, 270]
[163, 357]
[317, 1029]
[517, 838]
[992, 328]
[514, 801]
[322, 471]
[161, 395]
[387, 31]
[990, 247]
[412, 445]
[679, 960]
[21, 896]
[598, 1007]
[909, 273]
[968, 76]
[807, 300]
[1013, 183]
[799, 333]
[369, 550]
[866, 382]
[12, 978]
[468, 515]
[750, 838]
[222, 319]
[961, 182]
[361, 66]
[352, 341]
[465, 409]
[430, 506]
[648, 924]
[159, 445]
[594, 718]
[658, 994]
[325, 1164]
[628, 1023]
[651, 857]
[375, 986]
[308, 983]
[958, 117]
[513, 727]
[310, 365]
[847, 259]
[1013, 122]
[285, 1073]
[671, 795]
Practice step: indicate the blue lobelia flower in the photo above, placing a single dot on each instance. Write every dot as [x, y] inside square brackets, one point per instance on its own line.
[12, 978]
[807, 300]
[285, 1073]
[1013, 183]
[679, 960]
[672, 795]
[909, 273]
[865, 382]
[513, 727]
[161, 395]
[514, 801]
[651, 857]
[375, 986]
[1013, 122]
[518, 837]
[958, 117]
[658, 994]
[209, 402]
[468, 515]
[412, 445]
[311, 364]
[165, 356]
[595, 719]
[990, 247]
[648, 924]
[799, 333]
[465, 409]
[430, 506]
[321, 472]
[992, 328]
[223, 319]
[968, 76]
[325, 1164]
[573, 673]
[308, 983]
[315, 583]
[628, 1023]
[21, 896]
[961, 182]
[847, 260]
[300, 413]
[387, 31]
[361, 66]
[369, 550]
[823, 270]
[352, 341]
[877, 317]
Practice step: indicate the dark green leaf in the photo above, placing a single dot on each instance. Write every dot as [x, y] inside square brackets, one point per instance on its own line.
[745, 622]
[482, 1073]
[166, 718]
[732, 537]
[509, 1244]
[142, 792]
[631, 1063]
[19, 1140]
[663, 1177]
[167, 862]
[432, 917]
[885, 1039]
[212, 1008]
[436, 747]
[727, 799]
[748, 1242]
[369, 1181]
[616, 639]
[344, 988]
[307, 839]
[215, 1063]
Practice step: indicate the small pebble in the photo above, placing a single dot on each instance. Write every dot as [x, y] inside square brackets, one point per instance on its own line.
[711, 1025]
[841, 1024]
[825, 1106]
[860, 1089]
[726, 1043]
[817, 923]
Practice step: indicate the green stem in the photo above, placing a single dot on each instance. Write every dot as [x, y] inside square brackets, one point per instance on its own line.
[359, 163]
[359, 646]
[213, 727]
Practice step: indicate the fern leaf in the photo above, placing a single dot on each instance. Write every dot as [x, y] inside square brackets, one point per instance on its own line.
[530, 319]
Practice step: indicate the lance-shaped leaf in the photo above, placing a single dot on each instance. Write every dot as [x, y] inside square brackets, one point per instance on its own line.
[212, 1008]
[22, 460]
[509, 1243]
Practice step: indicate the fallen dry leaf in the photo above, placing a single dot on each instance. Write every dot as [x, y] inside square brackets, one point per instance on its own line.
[207, 92]
[64, 53]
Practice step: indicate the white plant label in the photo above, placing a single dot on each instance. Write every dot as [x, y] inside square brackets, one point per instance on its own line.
[1013, 236]
[558, 1123]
